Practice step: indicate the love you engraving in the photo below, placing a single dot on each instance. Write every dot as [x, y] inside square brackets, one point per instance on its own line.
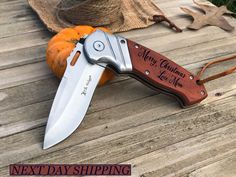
[166, 71]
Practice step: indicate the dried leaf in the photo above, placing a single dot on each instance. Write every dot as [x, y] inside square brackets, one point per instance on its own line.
[212, 16]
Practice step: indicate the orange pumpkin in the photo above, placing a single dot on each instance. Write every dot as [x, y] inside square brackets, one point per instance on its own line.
[62, 44]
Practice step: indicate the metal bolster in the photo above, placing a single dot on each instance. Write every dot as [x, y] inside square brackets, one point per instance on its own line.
[106, 49]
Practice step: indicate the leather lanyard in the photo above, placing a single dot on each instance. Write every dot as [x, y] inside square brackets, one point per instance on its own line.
[219, 75]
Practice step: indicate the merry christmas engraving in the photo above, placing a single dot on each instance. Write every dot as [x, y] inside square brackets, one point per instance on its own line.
[167, 71]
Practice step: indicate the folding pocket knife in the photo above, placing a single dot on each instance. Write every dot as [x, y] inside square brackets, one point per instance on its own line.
[98, 51]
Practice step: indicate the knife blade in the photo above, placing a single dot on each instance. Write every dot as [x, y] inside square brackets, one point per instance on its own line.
[101, 50]
[72, 99]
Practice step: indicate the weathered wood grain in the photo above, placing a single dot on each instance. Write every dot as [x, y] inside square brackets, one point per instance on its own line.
[105, 98]
[22, 56]
[24, 74]
[45, 90]
[193, 57]
[160, 103]
[183, 158]
[138, 140]
[18, 28]
[23, 41]
[126, 122]
[11, 27]
[17, 16]
[12, 5]
[224, 167]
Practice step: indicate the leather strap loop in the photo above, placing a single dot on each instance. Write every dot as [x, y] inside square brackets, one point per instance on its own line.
[216, 76]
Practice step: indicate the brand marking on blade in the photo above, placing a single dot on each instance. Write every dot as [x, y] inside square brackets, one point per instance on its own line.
[85, 89]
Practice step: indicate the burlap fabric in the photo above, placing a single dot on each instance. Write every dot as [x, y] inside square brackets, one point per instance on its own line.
[116, 15]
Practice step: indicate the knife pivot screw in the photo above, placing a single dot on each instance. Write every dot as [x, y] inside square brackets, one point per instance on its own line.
[99, 46]
[191, 77]
[147, 72]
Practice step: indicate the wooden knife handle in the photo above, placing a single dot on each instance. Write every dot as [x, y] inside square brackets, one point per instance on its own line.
[155, 70]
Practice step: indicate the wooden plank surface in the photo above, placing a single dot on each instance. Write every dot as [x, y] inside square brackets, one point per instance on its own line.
[127, 122]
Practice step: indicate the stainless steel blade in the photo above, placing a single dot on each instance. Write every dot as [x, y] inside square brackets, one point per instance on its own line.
[72, 99]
